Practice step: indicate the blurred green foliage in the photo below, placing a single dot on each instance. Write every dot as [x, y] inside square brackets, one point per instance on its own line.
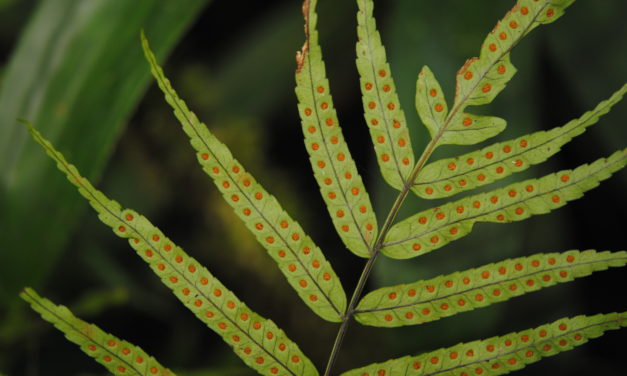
[235, 69]
[77, 74]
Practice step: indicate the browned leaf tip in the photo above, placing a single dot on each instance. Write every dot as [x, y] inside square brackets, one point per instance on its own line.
[300, 55]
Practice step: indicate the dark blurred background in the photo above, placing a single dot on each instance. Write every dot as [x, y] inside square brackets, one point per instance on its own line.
[75, 69]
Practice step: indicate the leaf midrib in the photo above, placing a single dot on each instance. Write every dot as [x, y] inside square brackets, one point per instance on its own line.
[473, 217]
[378, 93]
[324, 143]
[459, 105]
[582, 122]
[296, 255]
[493, 283]
[80, 332]
[534, 345]
[166, 260]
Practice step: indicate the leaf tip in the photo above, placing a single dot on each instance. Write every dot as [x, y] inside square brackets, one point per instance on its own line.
[25, 122]
[144, 40]
[300, 55]
[306, 5]
[27, 293]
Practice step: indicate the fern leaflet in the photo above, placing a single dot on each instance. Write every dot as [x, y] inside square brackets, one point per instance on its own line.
[446, 295]
[433, 228]
[382, 110]
[298, 257]
[117, 356]
[258, 341]
[467, 129]
[482, 78]
[450, 176]
[335, 171]
[500, 355]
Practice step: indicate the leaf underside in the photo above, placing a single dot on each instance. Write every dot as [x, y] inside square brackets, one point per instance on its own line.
[117, 356]
[298, 257]
[481, 78]
[266, 348]
[462, 129]
[500, 355]
[341, 186]
[382, 111]
[433, 228]
[450, 176]
[256, 340]
[446, 295]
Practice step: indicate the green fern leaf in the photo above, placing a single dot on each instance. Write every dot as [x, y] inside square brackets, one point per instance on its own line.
[466, 129]
[482, 78]
[446, 295]
[258, 341]
[382, 110]
[450, 176]
[430, 102]
[335, 171]
[433, 228]
[298, 257]
[500, 355]
[117, 356]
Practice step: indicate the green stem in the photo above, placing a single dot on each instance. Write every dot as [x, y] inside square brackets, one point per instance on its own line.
[365, 274]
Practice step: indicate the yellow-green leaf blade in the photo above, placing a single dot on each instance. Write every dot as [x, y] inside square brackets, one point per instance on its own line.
[446, 295]
[450, 176]
[500, 355]
[463, 128]
[434, 228]
[382, 111]
[335, 171]
[298, 257]
[481, 79]
[117, 356]
[430, 102]
[256, 340]
[468, 129]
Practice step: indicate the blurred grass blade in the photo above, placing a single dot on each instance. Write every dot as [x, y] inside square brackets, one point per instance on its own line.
[79, 70]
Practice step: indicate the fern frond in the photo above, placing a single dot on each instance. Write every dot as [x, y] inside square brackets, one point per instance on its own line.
[298, 257]
[334, 169]
[446, 295]
[500, 355]
[433, 228]
[465, 130]
[258, 341]
[117, 356]
[480, 79]
[382, 110]
[450, 176]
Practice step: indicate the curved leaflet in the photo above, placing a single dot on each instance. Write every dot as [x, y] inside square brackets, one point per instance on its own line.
[117, 356]
[500, 355]
[480, 79]
[382, 110]
[446, 295]
[463, 129]
[335, 171]
[298, 257]
[430, 102]
[256, 340]
[433, 228]
[450, 176]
